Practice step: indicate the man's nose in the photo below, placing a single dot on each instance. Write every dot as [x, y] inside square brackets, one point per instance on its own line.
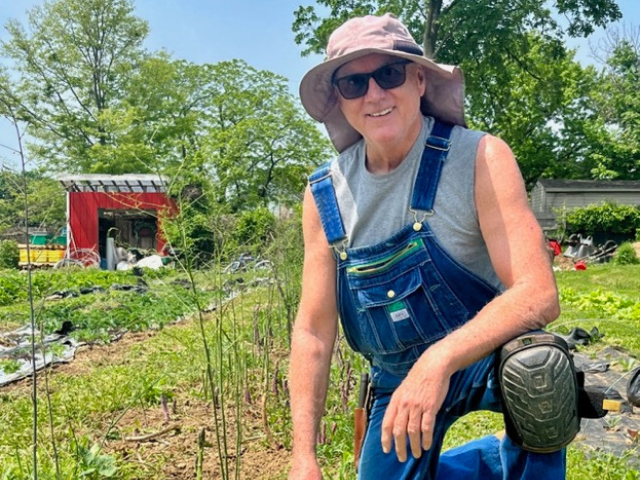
[374, 91]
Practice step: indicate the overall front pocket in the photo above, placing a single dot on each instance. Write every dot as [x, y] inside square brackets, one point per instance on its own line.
[395, 312]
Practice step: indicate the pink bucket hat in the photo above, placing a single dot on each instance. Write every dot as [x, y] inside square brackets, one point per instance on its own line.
[358, 37]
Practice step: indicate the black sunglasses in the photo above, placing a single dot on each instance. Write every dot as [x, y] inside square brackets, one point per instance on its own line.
[388, 76]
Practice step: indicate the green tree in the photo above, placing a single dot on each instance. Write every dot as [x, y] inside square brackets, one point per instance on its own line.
[260, 147]
[255, 227]
[107, 106]
[195, 233]
[229, 122]
[521, 82]
[71, 65]
[46, 197]
[9, 207]
[542, 111]
[616, 137]
[462, 29]
[9, 254]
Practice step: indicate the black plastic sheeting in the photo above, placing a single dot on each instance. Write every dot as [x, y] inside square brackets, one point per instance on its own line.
[633, 388]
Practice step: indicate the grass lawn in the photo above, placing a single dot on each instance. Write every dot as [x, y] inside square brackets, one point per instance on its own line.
[605, 296]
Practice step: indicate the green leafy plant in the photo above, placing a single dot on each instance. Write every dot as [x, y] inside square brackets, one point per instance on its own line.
[94, 464]
[628, 364]
[9, 366]
[606, 303]
[625, 255]
[9, 254]
[254, 227]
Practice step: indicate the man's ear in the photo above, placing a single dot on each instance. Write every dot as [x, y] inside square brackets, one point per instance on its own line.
[422, 80]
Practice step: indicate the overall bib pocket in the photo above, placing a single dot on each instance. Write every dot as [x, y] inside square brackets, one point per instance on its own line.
[399, 301]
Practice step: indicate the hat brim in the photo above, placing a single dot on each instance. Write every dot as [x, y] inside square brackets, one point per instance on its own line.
[443, 98]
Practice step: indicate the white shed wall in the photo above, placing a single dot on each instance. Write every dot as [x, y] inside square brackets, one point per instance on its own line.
[583, 199]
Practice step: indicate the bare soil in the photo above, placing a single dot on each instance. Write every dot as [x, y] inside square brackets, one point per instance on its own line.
[167, 449]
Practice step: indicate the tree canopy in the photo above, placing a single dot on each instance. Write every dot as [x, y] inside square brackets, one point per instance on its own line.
[256, 127]
[617, 131]
[45, 197]
[95, 101]
[522, 83]
[457, 30]
[71, 66]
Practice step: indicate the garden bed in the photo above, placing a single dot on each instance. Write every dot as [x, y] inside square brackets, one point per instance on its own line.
[146, 399]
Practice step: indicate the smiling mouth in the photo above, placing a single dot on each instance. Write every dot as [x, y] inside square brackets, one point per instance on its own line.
[381, 113]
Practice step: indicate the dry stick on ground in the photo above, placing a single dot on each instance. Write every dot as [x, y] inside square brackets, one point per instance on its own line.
[151, 436]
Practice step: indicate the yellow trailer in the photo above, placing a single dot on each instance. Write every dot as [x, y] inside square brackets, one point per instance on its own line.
[41, 254]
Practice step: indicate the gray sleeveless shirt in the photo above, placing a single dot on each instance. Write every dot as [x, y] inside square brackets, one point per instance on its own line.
[374, 207]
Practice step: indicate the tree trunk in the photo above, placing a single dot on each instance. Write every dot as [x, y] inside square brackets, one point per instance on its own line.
[431, 26]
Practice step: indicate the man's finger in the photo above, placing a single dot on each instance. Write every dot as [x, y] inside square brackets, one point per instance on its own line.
[427, 430]
[414, 431]
[400, 434]
[401, 445]
[387, 428]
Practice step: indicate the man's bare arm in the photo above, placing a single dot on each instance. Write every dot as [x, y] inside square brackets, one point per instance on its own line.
[516, 247]
[313, 339]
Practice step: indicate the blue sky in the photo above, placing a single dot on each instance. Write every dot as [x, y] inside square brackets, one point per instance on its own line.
[209, 31]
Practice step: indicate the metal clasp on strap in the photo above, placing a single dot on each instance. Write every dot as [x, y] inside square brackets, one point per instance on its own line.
[439, 143]
[417, 225]
[341, 249]
[326, 174]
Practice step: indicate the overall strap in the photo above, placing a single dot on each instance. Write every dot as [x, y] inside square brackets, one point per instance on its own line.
[327, 203]
[433, 157]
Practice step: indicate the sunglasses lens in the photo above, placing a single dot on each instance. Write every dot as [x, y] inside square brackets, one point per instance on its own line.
[390, 76]
[353, 86]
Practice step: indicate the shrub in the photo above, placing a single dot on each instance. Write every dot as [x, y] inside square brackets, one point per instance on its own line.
[625, 255]
[9, 254]
[611, 218]
[191, 235]
[255, 226]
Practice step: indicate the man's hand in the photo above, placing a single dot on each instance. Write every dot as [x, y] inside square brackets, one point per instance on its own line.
[413, 408]
[305, 469]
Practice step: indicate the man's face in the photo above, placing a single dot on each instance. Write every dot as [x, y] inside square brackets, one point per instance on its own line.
[387, 119]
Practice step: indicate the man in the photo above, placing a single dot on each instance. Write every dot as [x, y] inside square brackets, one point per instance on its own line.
[420, 239]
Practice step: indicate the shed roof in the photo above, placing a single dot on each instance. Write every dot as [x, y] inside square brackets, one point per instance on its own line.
[590, 185]
[138, 183]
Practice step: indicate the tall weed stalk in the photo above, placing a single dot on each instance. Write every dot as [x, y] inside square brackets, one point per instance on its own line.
[180, 228]
[287, 252]
[32, 317]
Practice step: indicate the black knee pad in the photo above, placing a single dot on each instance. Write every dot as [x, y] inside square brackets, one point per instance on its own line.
[539, 392]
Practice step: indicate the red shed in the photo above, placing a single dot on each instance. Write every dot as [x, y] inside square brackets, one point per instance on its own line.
[128, 208]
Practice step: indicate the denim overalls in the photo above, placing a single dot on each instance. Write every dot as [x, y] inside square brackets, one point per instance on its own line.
[395, 299]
